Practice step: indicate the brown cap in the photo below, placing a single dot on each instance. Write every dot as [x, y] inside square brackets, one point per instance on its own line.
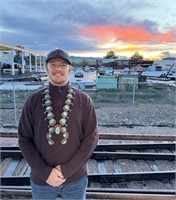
[58, 53]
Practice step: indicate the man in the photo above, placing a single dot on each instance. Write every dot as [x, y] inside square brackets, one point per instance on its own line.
[58, 133]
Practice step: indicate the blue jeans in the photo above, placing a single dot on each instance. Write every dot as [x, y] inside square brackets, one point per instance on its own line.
[75, 190]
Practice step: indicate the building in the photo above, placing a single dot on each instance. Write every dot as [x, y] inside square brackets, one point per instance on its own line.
[7, 53]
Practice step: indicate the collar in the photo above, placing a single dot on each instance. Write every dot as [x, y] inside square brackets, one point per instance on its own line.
[54, 88]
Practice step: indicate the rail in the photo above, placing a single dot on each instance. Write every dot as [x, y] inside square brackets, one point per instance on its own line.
[104, 184]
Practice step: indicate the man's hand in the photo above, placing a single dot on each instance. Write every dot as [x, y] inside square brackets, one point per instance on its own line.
[55, 178]
[59, 168]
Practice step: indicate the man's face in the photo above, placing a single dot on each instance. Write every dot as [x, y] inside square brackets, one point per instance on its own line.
[58, 71]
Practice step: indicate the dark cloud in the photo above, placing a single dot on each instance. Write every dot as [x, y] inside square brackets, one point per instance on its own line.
[48, 22]
[45, 24]
[150, 25]
[168, 54]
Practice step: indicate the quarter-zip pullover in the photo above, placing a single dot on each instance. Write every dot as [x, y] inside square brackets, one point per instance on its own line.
[82, 128]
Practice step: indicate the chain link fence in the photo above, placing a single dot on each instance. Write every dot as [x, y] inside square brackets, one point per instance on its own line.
[130, 104]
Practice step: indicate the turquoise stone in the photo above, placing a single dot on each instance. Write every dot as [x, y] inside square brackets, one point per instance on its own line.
[47, 96]
[63, 121]
[68, 101]
[64, 129]
[65, 114]
[48, 108]
[50, 114]
[67, 107]
[71, 90]
[52, 121]
[64, 135]
[47, 102]
[50, 142]
[64, 142]
[70, 95]
[50, 135]
[57, 130]
[46, 91]
[51, 129]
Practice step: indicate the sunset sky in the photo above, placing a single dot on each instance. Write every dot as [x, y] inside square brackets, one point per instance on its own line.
[91, 27]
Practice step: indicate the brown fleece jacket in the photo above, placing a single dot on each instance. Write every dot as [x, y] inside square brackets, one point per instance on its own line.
[83, 135]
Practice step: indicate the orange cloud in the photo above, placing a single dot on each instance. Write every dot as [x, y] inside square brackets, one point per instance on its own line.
[130, 33]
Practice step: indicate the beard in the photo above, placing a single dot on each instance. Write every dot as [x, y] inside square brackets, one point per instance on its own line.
[58, 81]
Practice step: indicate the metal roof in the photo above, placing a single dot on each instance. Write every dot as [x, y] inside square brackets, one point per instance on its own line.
[11, 47]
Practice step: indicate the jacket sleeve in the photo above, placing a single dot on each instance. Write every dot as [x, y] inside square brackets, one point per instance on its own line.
[89, 142]
[27, 146]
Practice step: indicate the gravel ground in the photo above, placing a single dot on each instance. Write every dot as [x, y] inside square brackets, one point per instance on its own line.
[116, 114]
[143, 114]
[121, 118]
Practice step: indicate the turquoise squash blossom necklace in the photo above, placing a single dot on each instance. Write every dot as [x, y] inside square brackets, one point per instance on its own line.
[61, 126]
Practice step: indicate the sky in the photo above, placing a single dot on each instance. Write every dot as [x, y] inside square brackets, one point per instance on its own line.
[91, 28]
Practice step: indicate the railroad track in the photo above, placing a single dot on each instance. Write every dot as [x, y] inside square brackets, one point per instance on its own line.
[107, 179]
[107, 136]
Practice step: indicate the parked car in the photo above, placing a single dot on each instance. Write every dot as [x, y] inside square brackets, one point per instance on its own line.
[101, 70]
[79, 72]
[87, 69]
[109, 71]
[9, 66]
[92, 69]
[106, 71]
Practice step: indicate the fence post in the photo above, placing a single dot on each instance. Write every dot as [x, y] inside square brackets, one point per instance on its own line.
[14, 105]
[133, 105]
